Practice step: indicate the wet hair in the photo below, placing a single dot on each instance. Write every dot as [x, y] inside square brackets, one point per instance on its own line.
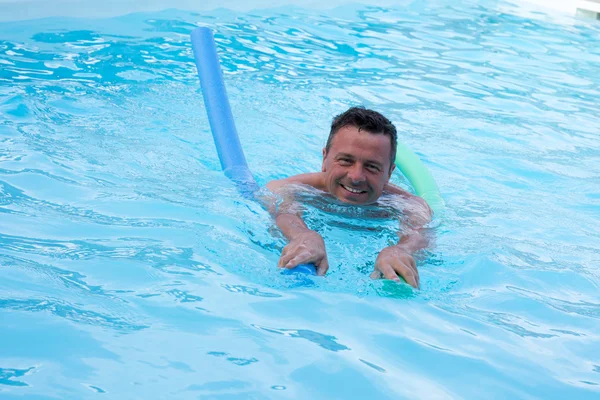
[365, 120]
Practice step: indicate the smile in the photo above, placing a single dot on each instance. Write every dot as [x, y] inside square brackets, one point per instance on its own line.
[355, 191]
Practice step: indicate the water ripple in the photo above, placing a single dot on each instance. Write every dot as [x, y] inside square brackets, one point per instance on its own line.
[117, 222]
[8, 375]
[327, 342]
[70, 312]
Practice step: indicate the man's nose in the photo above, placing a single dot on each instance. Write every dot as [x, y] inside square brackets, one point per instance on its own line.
[356, 173]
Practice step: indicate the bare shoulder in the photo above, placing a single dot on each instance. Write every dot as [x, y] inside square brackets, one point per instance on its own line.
[314, 179]
[421, 206]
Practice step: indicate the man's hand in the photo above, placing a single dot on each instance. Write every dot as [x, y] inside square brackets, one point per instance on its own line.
[393, 261]
[306, 247]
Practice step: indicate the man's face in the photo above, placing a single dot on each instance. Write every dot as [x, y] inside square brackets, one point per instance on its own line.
[357, 165]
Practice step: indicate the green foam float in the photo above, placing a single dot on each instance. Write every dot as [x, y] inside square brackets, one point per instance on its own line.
[419, 177]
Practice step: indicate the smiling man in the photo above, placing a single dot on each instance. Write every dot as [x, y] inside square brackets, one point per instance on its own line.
[358, 161]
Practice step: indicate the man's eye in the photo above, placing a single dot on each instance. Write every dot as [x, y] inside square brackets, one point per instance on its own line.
[345, 161]
[373, 168]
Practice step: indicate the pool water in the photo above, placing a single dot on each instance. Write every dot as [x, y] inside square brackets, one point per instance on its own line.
[131, 268]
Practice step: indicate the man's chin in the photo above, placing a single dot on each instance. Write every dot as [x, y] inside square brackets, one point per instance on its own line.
[361, 199]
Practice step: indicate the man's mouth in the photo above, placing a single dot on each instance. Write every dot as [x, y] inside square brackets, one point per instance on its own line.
[351, 190]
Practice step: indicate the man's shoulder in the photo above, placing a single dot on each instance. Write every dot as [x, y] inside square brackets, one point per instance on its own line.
[314, 179]
[397, 190]
[421, 205]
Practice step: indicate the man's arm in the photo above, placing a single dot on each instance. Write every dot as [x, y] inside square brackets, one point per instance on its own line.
[312, 179]
[398, 259]
[305, 245]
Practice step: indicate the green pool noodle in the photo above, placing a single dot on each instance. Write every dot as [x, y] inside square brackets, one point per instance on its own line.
[419, 177]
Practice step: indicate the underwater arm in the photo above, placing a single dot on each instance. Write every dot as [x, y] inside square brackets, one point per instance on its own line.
[305, 245]
[397, 260]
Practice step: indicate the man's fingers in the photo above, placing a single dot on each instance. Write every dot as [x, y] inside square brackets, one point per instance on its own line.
[413, 265]
[302, 258]
[286, 256]
[376, 274]
[323, 266]
[408, 274]
[389, 273]
[411, 269]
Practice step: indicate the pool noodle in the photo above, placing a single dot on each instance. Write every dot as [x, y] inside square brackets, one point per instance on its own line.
[419, 177]
[222, 126]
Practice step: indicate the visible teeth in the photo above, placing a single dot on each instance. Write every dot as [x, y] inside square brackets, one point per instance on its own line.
[352, 190]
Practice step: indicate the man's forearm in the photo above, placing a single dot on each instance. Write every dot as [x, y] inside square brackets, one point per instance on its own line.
[413, 241]
[291, 225]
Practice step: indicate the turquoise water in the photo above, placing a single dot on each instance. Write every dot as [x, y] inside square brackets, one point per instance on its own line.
[131, 268]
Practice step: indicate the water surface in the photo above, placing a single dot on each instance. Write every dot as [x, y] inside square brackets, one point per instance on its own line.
[131, 268]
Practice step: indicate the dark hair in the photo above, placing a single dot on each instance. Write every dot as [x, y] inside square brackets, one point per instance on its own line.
[365, 120]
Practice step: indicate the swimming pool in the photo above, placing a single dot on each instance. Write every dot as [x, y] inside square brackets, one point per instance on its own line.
[131, 268]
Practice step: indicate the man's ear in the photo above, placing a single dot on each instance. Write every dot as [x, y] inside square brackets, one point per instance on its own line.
[392, 168]
[324, 157]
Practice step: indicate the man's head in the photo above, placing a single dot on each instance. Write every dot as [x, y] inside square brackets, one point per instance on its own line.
[358, 158]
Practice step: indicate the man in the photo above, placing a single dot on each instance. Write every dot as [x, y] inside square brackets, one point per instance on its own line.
[358, 161]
